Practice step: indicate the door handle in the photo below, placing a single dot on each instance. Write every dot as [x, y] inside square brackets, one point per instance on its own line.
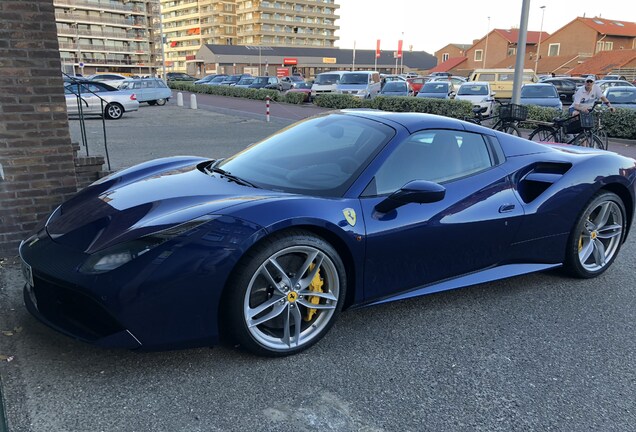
[506, 208]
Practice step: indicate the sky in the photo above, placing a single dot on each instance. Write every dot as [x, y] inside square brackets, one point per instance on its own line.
[429, 26]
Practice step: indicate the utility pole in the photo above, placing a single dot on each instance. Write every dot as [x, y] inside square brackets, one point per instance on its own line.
[536, 60]
[521, 52]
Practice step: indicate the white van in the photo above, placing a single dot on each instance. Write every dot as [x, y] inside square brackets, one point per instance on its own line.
[325, 82]
[362, 84]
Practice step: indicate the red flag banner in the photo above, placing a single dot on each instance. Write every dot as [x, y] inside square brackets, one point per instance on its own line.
[399, 51]
[377, 49]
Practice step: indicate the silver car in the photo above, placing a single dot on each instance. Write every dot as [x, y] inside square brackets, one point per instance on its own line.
[97, 98]
[151, 90]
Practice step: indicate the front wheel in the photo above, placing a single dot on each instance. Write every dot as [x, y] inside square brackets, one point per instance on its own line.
[285, 294]
[162, 101]
[597, 236]
[543, 134]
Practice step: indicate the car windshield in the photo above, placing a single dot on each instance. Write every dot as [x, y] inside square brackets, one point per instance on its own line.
[218, 79]
[622, 96]
[320, 156]
[245, 81]
[472, 90]
[326, 79]
[539, 91]
[435, 87]
[303, 85]
[354, 78]
[394, 86]
[260, 80]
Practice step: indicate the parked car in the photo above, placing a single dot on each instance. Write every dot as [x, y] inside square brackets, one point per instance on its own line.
[206, 79]
[302, 87]
[150, 90]
[112, 79]
[456, 80]
[353, 208]
[325, 82]
[565, 87]
[604, 84]
[179, 76]
[231, 80]
[98, 98]
[578, 81]
[245, 82]
[291, 81]
[362, 84]
[540, 94]
[478, 93]
[216, 81]
[437, 90]
[417, 83]
[622, 97]
[614, 77]
[396, 88]
[269, 82]
[389, 78]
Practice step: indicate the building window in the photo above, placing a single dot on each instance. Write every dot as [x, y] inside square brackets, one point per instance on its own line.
[553, 49]
[604, 46]
[479, 55]
[512, 51]
[445, 57]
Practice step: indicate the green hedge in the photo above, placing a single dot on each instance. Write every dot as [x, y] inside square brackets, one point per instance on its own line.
[618, 124]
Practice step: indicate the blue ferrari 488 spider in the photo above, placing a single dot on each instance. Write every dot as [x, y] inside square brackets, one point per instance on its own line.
[346, 209]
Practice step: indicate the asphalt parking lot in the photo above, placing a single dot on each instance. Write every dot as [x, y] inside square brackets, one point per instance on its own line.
[535, 353]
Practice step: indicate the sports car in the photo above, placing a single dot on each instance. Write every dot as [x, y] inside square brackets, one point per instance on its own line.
[347, 209]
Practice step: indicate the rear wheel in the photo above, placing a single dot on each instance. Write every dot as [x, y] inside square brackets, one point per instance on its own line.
[597, 236]
[510, 129]
[602, 135]
[543, 134]
[588, 139]
[114, 111]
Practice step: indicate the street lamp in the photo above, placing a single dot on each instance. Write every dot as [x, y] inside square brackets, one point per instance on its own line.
[486, 48]
[536, 60]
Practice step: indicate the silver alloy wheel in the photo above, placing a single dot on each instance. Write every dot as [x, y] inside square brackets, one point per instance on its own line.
[114, 111]
[600, 236]
[161, 102]
[278, 309]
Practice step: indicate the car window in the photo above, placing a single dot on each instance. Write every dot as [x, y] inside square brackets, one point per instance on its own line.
[148, 84]
[622, 96]
[327, 79]
[539, 92]
[435, 87]
[434, 155]
[486, 77]
[506, 77]
[321, 156]
[393, 86]
[469, 89]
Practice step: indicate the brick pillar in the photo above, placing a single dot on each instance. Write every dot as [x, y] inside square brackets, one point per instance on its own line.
[37, 168]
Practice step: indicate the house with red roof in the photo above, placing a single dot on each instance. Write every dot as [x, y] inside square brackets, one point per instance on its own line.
[499, 45]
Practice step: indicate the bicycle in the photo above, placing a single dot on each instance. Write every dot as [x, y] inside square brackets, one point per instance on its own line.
[507, 120]
[586, 128]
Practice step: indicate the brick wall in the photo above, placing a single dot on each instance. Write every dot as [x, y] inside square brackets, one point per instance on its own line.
[38, 167]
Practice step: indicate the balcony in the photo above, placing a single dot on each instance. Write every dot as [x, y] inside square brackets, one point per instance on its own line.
[99, 6]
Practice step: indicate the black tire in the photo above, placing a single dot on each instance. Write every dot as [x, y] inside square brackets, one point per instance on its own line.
[509, 129]
[597, 236]
[277, 313]
[113, 111]
[543, 134]
[589, 140]
[602, 135]
[151, 103]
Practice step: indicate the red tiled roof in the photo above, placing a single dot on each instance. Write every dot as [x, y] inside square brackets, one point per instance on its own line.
[512, 36]
[449, 64]
[610, 27]
[604, 62]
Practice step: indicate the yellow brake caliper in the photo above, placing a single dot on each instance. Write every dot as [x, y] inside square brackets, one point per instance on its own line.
[316, 286]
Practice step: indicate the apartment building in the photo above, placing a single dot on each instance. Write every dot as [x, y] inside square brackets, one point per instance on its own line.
[190, 24]
[108, 35]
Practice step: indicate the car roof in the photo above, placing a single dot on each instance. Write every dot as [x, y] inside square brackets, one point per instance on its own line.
[410, 120]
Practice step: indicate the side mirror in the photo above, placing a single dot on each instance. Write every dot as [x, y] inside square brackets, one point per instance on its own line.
[416, 191]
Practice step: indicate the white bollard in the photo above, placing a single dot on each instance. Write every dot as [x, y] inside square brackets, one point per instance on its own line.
[267, 108]
[179, 99]
[193, 101]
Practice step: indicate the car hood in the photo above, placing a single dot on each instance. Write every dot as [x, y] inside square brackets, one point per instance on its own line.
[433, 95]
[146, 199]
[394, 93]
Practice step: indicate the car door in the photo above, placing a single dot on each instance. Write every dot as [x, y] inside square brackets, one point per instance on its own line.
[470, 229]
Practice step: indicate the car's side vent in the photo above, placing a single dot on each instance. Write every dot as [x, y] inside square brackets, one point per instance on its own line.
[538, 178]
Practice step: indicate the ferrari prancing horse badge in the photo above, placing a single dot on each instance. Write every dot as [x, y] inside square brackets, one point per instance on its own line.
[350, 216]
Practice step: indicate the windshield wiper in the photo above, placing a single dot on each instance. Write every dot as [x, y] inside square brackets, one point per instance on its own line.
[212, 168]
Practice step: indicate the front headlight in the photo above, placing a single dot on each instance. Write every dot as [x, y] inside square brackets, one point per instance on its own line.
[118, 255]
